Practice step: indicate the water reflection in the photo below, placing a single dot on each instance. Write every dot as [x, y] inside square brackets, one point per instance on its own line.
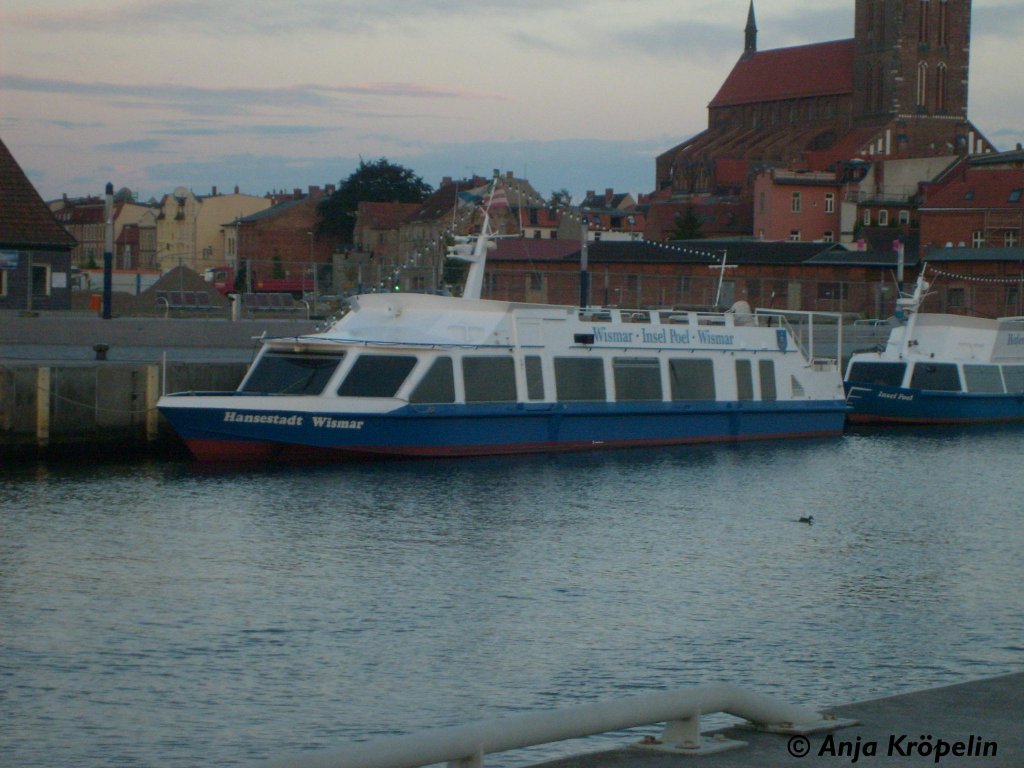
[264, 610]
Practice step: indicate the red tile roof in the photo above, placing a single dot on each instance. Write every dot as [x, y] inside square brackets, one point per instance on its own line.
[821, 69]
[976, 189]
[533, 249]
[25, 220]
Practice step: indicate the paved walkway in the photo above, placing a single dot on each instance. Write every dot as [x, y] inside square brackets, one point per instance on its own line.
[983, 721]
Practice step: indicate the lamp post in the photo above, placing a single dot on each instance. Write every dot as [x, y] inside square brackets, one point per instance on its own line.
[108, 251]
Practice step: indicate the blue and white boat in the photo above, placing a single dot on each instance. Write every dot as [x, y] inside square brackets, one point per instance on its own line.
[403, 375]
[940, 369]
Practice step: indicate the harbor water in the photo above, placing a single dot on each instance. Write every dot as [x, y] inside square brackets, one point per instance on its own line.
[163, 614]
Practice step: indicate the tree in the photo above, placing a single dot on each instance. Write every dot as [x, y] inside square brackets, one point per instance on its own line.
[124, 195]
[561, 198]
[688, 226]
[377, 182]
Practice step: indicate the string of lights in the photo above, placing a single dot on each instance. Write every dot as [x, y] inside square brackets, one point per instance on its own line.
[975, 279]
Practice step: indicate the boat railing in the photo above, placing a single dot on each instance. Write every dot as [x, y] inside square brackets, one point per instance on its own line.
[680, 710]
[810, 330]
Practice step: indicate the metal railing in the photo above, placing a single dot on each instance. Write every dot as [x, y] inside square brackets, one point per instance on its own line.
[465, 746]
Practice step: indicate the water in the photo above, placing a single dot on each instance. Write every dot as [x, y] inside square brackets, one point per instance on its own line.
[160, 614]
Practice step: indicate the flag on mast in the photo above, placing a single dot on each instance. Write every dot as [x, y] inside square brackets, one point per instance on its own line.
[498, 198]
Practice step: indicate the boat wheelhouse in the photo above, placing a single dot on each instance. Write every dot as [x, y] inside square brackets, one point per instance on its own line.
[940, 369]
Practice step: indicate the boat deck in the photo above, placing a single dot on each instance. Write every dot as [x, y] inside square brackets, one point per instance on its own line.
[983, 716]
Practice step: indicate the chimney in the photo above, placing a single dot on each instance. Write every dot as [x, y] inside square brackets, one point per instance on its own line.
[214, 192]
[509, 175]
[236, 189]
[313, 190]
[296, 193]
[329, 189]
[609, 193]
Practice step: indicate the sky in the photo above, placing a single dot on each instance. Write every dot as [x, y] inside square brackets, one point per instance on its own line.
[569, 94]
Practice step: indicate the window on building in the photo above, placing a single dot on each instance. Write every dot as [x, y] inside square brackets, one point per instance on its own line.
[1015, 195]
[904, 217]
[1010, 238]
[828, 237]
[40, 279]
[3, 282]
[955, 297]
[795, 204]
[943, 23]
[883, 218]
[794, 235]
[922, 84]
[922, 22]
[867, 217]
[536, 281]
[833, 290]
[830, 202]
[940, 88]
[978, 238]
[1013, 306]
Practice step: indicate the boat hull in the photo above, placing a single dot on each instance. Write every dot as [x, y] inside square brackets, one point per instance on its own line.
[236, 434]
[876, 404]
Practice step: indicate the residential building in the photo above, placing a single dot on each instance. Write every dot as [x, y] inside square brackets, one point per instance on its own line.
[190, 230]
[84, 218]
[35, 249]
[978, 204]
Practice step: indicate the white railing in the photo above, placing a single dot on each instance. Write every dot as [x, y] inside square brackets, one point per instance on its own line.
[464, 746]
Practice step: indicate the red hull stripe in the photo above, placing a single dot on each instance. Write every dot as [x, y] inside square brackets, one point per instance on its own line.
[252, 451]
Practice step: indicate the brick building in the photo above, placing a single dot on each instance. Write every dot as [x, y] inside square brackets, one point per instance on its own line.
[897, 89]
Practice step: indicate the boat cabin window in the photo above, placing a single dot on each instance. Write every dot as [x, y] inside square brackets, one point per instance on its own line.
[637, 378]
[534, 378]
[984, 379]
[692, 379]
[766, 372]
[882, 374]
[936, 377]
[744, 380]
[437, 385]
[579, 378]
[489, 379]
[1014, 375]
[292, 373]
[376, 375]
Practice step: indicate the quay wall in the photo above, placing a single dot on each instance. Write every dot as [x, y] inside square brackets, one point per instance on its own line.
[97, 409]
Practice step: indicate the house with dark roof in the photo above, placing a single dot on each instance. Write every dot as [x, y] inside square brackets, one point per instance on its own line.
[35, 250]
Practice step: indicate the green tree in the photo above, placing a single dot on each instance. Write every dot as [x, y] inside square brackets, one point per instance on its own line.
[124, 195]
[561, 198]
[376, 182]
[688, 226]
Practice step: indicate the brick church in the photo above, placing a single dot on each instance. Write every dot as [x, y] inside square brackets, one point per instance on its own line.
[896, 90]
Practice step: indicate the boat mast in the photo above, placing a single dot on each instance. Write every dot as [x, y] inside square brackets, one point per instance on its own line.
[908, 306]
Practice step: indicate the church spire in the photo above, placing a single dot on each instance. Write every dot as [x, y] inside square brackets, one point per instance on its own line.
[750, 33]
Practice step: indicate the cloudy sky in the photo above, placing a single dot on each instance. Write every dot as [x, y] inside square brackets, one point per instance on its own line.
[575, 94]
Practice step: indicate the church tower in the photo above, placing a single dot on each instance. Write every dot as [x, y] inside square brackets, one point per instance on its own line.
[750, 33]
[911, 60]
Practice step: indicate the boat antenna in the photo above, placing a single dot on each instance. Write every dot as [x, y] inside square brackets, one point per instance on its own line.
[584, 260]
[908, 306]
[474, 249]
